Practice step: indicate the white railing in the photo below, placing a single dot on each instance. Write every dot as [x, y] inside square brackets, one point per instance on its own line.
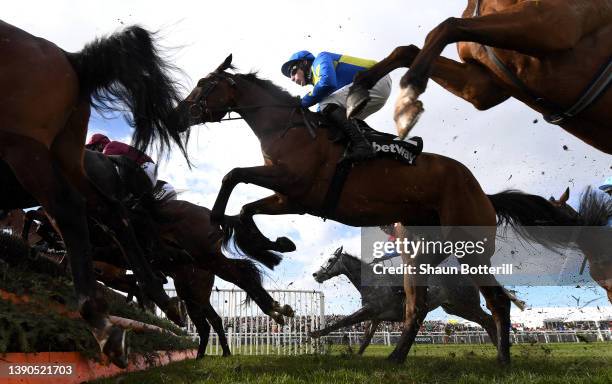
[473, 337]
[250, 331]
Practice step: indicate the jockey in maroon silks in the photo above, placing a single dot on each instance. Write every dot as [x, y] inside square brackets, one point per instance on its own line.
[101, 143]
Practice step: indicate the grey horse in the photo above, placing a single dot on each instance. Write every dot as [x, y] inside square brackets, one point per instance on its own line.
[456, 294]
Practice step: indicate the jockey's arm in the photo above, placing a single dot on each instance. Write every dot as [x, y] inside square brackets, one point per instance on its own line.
[324, 79]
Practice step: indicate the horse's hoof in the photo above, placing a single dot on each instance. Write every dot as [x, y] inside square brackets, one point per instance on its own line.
[115, 347]
[395, 358]
[503, 360]
[287, 310]
[408, 109]
[175, 312]
[277, 317]
[226, 354]
[357, 99]
[283, 244]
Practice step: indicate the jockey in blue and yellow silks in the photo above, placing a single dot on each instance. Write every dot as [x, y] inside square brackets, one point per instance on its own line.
[331, 75]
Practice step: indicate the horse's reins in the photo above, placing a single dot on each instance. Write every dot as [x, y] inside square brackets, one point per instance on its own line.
[596, 88]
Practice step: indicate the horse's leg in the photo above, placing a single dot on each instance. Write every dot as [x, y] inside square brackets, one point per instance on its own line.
[359, 94]
[68, 150]
[193, 286]
[362, 314]
[270, 177]
[215, 320]
[465, 303]
[40, 175]
[245, 275]
[529, 27]
[416, 310]
[368, 336]
[271, 205]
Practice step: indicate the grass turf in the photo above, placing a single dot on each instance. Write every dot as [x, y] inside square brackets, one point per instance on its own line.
[538, 363]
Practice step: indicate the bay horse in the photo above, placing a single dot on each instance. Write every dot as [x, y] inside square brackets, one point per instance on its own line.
[177, 233]
[553, 55]
[45, 104]
[299, 164]
[594, 210]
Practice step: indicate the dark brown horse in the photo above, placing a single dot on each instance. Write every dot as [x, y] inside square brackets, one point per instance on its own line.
[45, 101]
[594, 211]
[545, 53]
[435, 191]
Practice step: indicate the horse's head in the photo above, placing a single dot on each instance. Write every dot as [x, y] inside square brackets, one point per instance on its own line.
[562, 204]
[211, 99]
[332, 267]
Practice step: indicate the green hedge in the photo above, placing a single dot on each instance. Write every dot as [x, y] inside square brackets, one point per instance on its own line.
[33, 328]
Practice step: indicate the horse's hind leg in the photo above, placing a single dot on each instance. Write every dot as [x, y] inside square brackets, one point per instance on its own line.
[38, 173]
[465, 303]
[367, 339]
[244, 274]
[499, 305]
[215, 320]
[528, 27]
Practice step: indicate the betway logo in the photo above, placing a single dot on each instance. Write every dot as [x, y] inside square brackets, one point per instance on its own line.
[394, 148]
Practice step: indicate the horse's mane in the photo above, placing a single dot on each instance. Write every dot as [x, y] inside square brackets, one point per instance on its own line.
[269, 86]
[352, 257]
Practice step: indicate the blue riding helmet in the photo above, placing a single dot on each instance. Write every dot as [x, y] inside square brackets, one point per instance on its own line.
[607, 185]
[298, 56]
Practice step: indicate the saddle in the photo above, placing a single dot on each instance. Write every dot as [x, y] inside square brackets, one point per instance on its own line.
[385, 145]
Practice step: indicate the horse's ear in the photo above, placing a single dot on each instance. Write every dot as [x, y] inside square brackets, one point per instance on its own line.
[565, 196]
[338, 251]
[225, 65]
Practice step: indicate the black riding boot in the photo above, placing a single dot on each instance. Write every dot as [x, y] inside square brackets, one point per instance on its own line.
[360, 149]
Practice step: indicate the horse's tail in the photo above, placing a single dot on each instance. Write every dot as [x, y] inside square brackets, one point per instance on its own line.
[127, 67]
[236, 237]
[529, 214]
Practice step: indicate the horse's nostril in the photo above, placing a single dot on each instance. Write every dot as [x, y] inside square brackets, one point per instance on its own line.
[314, 274]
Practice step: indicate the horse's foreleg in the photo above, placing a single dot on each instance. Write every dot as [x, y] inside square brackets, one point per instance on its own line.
[271, 205]
[368, 336]
[416, 310]
[271, 177]
[529, 27]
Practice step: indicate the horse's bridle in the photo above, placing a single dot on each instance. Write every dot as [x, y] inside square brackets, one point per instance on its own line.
[338, 258]
[199, 106]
